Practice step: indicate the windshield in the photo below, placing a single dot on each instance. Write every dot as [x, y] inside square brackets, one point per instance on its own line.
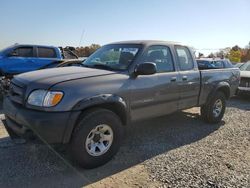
[238, 65]
[113, 56]
[3, 50]
[245, 67]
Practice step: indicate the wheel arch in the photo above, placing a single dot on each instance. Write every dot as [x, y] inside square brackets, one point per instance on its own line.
[207, 110]
[111, 102]
[223, 87]
[225, 90]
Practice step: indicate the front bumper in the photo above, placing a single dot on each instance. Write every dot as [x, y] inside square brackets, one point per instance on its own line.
[51, 127]
[243, 90]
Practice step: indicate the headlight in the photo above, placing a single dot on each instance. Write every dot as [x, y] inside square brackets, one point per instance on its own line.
[45, 98]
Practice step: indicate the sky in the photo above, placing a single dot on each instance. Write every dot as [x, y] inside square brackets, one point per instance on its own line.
[212, 24]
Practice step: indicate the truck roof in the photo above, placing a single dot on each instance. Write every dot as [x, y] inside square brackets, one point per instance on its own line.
[146, 42]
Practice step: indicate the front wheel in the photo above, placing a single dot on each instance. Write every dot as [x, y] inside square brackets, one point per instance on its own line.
[97, 138]
[214, 110]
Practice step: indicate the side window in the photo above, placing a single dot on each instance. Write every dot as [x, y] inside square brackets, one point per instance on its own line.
[184, 58]
[23, 52]
[46, 52]
[161, 56]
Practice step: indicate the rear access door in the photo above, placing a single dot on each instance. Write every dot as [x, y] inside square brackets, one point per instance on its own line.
[189, 84]
[45, 57]
[19, 60]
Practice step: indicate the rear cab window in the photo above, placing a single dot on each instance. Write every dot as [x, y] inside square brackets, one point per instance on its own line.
[184, 58]
[43, 52]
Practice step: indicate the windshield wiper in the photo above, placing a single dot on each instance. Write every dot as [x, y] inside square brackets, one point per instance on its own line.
[83, 65]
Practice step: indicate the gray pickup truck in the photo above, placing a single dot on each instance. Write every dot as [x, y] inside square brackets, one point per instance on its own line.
[86, 107]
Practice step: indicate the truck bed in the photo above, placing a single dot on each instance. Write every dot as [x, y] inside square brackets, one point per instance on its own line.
[210, 79]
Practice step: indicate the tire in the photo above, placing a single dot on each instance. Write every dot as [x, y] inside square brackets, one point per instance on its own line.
[210, 113]
[80, 146]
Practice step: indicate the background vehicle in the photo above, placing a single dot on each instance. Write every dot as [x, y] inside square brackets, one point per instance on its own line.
[88, 106]
[244, 87]
[24, 58]
[238, 65]
[209, 63]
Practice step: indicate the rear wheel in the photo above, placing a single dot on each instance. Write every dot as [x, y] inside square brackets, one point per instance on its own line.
[96, 138]
[214, 110]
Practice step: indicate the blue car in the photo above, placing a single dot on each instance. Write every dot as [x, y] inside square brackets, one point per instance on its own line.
[18, 59]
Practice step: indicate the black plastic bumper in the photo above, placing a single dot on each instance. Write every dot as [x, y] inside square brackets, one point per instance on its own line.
[52, 127]
[243, 90]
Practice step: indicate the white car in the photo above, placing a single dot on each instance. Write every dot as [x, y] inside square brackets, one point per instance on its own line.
[244, 87]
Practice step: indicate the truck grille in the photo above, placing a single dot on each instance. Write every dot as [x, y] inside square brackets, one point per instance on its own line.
[245, 82]
[16, 92]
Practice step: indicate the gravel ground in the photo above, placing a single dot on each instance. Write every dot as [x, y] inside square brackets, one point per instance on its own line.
[220, 159]
[178, 150]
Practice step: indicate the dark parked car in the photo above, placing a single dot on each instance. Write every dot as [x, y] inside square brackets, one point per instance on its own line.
[87, 107]
[238, 65]
[244, 87]
[210, 63]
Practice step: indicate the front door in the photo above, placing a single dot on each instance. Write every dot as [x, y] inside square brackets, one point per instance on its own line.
[20, 60]
[158, 94]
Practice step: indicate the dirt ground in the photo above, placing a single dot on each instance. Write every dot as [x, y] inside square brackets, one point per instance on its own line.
[178, 150]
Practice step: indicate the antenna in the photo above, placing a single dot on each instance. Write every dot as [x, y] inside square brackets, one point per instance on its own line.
[83, 31]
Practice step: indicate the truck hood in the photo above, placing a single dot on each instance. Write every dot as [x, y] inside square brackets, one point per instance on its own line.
[49, 77]
[245, 74]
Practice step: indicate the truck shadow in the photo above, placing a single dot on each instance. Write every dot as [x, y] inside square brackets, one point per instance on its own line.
[36, 164]
[148, 139]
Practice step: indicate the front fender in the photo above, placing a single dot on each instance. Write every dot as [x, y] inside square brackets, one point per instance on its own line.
[99, 100]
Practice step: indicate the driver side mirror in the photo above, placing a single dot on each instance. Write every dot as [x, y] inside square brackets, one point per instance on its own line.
[145, 69]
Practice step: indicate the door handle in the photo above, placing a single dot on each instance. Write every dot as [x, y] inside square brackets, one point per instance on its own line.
[173, 79]
[184, 78]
